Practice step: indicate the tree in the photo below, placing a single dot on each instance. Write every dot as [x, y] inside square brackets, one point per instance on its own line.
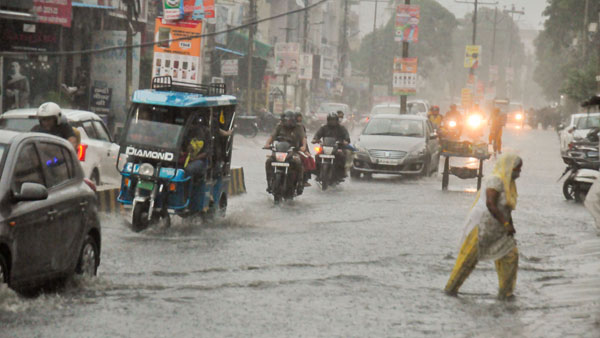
[564, 64]
[434, 46]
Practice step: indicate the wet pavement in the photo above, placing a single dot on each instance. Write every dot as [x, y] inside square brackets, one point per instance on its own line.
[365, 259]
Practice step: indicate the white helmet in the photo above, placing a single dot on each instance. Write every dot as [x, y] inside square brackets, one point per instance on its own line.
[298, 110]
[49, 109]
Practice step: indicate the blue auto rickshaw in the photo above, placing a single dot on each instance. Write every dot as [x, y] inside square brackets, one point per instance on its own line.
[155, 141]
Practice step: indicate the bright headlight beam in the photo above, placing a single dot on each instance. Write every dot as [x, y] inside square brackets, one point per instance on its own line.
[474, 121]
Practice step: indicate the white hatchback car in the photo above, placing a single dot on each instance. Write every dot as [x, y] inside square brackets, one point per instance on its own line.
[97, 152]
[578, 128]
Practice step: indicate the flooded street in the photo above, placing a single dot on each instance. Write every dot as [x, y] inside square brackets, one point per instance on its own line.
[365, 259]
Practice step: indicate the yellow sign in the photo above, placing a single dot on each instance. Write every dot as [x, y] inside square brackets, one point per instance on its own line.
[472, 53]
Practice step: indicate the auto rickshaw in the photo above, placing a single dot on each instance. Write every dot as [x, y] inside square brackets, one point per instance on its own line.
[157, 135]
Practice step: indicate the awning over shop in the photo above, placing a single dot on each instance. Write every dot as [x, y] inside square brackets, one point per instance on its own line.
[85, 5]
[239, 42]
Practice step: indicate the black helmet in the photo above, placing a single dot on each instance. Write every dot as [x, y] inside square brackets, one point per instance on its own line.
[333, 119]
[297, 114]
[288, 119]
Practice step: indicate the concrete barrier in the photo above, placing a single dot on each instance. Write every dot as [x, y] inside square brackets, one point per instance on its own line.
[107, 196]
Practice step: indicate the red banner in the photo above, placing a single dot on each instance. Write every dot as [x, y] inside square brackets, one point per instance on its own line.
[56, 12]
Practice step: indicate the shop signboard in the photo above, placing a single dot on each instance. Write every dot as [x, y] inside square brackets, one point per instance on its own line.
[199, 9]
[56, 12]
[286, 58]
[180, 59]
[407, 23]
[327, 68]
[100, 99]
[119, 7]
[405, 76]
[229, 67]
[172, 9]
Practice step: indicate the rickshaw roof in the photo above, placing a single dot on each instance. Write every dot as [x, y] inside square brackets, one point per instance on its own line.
[181, 99]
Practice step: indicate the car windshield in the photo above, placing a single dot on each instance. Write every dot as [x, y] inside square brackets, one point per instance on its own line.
[587, 122]
[386, 110]
[394, 127]
[416, 107]
[155, 125]
[329, 107]
[3, 148]
[18, 123]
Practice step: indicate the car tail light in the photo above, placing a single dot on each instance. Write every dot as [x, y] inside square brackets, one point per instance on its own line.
[81, 150]
[90, 184]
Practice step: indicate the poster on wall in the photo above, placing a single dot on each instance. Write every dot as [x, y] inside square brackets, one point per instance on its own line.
[108, 70]
[472, 53]
[327, 68]
[286, 58]
[306, 67]
[180, 59]
[405, 76]
[407, 23]
[199, 9]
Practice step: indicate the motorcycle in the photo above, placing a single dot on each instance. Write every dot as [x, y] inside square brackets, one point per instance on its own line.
[583, 163]
[473, 126]
[325, 153]
[283, 184]
[247, 126]
[451, 129]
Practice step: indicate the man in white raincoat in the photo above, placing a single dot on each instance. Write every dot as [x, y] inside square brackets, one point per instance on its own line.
[489, 230]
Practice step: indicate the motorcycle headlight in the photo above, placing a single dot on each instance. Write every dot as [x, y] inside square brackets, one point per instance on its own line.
[474, 121]
[146, 169]
[452, 124]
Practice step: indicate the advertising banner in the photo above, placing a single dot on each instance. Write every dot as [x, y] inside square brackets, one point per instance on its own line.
[108, 72]
[199, 9]
[57, 12]
[472, 53]
[172, 9]
[327, 68]
[229, 67]
[180, 59]
[286, 58]
[466, 97]
[405, 76]
[306, 67]
[407, 23]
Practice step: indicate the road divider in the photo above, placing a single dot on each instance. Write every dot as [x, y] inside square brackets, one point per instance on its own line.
[107, 195]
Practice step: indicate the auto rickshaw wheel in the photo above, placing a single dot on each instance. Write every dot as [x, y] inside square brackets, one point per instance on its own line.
[140, 221]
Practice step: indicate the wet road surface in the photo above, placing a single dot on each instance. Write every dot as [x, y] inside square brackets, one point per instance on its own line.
[366, 259]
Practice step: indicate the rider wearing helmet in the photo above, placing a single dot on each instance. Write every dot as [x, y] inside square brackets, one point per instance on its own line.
[334, 129]
[434, 117]
[51, 121]
[288, 130]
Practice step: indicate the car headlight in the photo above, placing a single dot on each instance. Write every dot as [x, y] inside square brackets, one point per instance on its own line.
[360, 148]
[146, 169]
[418, 152]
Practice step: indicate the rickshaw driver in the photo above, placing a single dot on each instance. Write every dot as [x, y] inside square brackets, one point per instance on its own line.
[290, 131]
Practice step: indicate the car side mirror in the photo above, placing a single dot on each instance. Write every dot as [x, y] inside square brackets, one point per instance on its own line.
[433, 136]
[31, 192]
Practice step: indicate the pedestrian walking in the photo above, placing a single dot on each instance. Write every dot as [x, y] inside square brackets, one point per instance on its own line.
[489, 231]
[498, 120]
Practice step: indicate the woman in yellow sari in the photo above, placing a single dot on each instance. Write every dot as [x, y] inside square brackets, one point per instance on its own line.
[489, 230]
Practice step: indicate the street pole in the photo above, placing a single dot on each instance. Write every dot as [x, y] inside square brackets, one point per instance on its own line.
[129, 56]
[494, 36]
[403, 98]
[285, 76]
[344, 42]
[251, 30]
[304, 50]
[512, 13]
[372, 56]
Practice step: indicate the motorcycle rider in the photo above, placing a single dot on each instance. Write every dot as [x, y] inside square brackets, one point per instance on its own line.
[289, 131]
[334, 129]
[453, 115]
[51, 122]
[434, 117]
[307, 160]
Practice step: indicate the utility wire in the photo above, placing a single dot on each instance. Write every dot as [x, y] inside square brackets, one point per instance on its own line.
[148, 44]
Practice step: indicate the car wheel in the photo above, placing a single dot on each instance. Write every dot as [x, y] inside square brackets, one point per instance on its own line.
[95, 177]
[569, 190]
[3, 270]
[89, 257]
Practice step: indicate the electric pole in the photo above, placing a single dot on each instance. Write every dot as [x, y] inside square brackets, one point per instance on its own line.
[403, 98]
[512, 13]
[129, 55]
[285, 76]
[251, 31]
[304, 50]
[372, 56]
[343, 49]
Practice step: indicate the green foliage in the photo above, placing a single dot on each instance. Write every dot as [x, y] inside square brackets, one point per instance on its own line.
[562, 66]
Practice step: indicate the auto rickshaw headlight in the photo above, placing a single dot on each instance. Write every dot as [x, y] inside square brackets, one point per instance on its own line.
[146, 169]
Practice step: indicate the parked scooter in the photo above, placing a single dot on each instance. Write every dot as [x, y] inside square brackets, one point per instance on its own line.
[583, 163]
[246, 126]
[326, 156]
[284, 185]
